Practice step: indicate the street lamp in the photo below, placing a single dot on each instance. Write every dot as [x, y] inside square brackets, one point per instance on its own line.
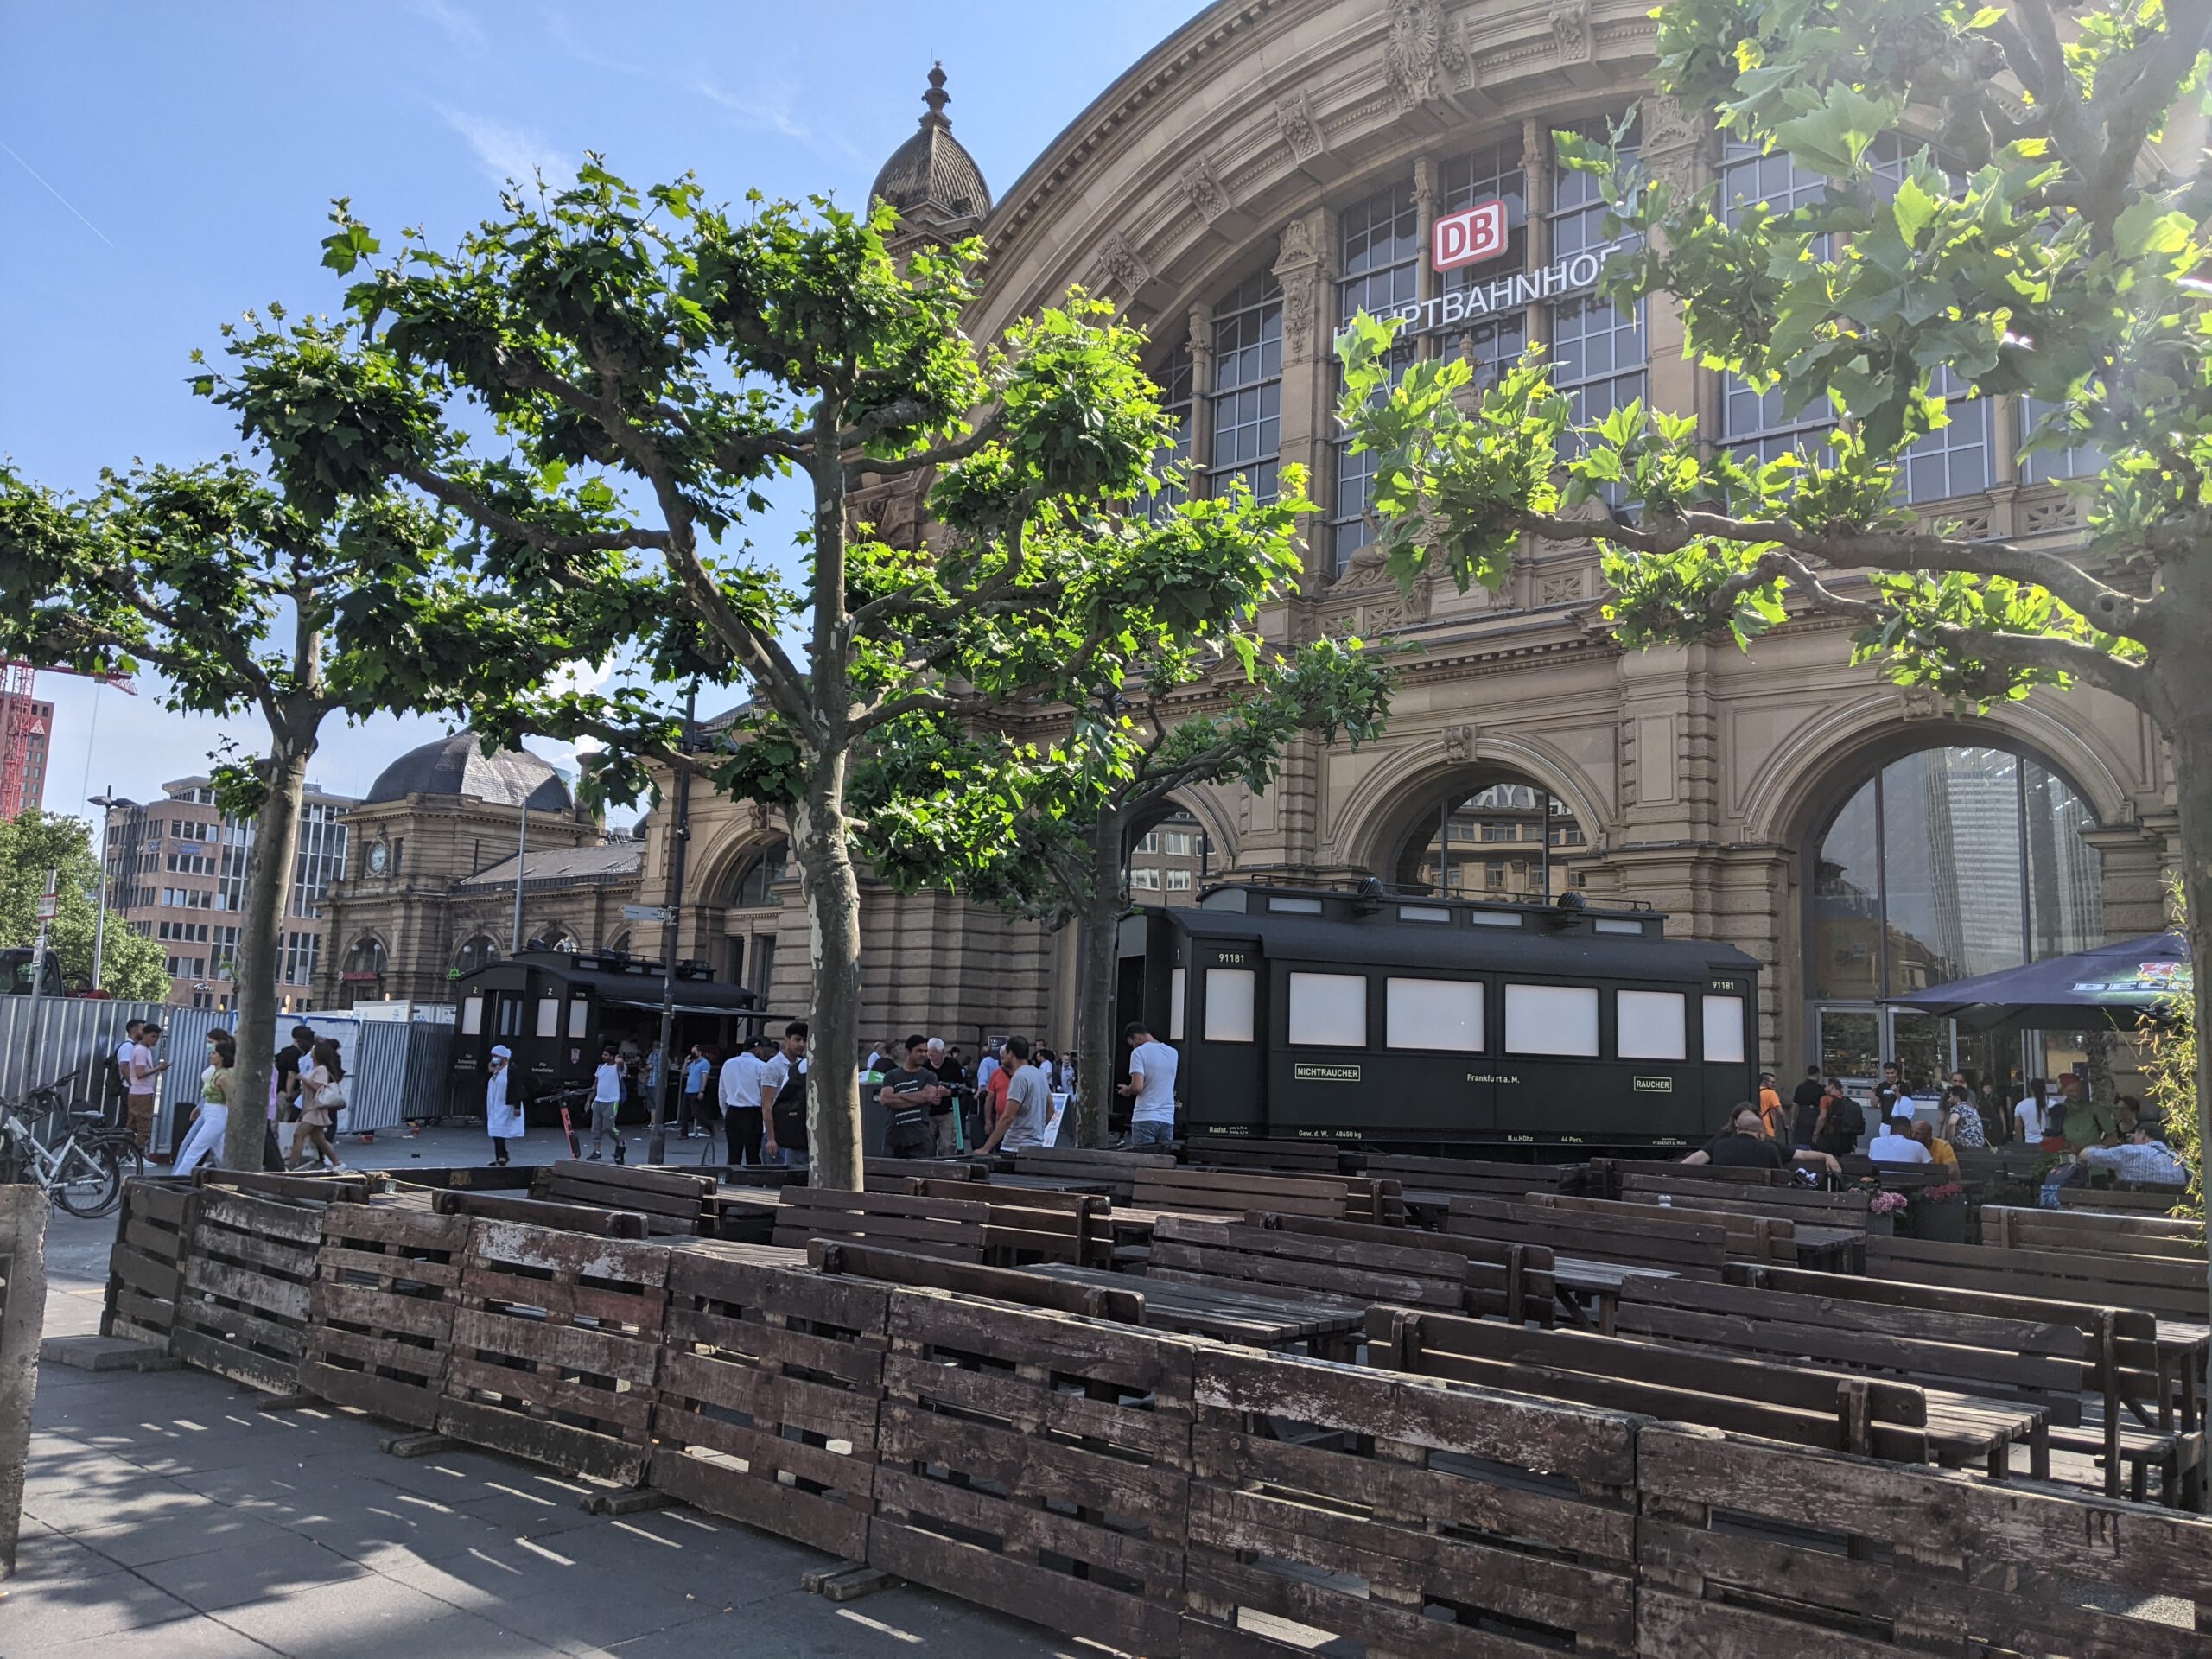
[107, 804]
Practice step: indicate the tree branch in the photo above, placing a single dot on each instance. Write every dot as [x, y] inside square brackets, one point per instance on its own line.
[537, 536]
[986, 431]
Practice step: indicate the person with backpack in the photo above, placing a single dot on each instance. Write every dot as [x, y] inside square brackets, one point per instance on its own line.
[784, 1139]
[1843, 1120]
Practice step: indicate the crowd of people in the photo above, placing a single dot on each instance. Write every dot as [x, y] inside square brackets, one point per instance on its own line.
[1823, 1122]
[307, 1090]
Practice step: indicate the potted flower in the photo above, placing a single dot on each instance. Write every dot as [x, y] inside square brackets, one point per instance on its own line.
[1882, 1213]
[1941, 1216]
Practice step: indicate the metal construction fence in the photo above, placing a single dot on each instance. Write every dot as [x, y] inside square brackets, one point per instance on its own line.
[397, 1069]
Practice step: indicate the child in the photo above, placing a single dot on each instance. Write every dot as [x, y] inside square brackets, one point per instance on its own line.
[606, 1100]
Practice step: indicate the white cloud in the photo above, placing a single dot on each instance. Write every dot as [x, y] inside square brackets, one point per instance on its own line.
[460, 25]
[506, 151]
[768, 111]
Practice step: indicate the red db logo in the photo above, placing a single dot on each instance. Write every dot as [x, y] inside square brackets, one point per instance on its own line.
[1469, 235]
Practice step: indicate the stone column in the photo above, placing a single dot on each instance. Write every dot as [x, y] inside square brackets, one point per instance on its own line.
[1308, 361]
[1536, 171]
[1676, 146]
[1201, 396]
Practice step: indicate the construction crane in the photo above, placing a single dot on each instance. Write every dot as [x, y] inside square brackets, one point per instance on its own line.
[21, 722]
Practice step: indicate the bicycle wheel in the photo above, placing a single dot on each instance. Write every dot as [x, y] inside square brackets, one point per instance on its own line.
[89, 1183]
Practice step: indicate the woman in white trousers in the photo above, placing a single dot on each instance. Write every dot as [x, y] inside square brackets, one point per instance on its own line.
[213, 1115]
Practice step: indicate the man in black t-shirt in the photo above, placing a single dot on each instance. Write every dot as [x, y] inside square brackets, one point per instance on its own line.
[290, 1060]
[1745, 1147]
[1805, 1104]
[907, 1096]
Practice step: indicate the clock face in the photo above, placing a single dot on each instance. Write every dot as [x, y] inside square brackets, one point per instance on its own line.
[377, 858]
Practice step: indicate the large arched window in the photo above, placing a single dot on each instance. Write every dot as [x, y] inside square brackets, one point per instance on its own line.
[1247, 398]
[366, 959]
[1379, 257]
[1508, 839]
[1945, 864]
[480, 952]
[756, 885]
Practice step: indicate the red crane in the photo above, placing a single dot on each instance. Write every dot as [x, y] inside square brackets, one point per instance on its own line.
[21, 722]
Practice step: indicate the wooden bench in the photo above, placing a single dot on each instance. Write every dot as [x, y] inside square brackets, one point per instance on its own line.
[956, 1228]
[543, 1212]
[1751, 1234]
[2011, 1227]
[1637, 1234]
[1606, 1174]
[2127, 1198]
[2138, 1372]
[1231, 1193]
[1988, 1371]
[1800, 1203]
[1893, 1178]
[673, 1202]
[1125, 1306]
[1872, 1416]
[1114, 1173]
[1508, 1281]
[2169, 1289]
[1289, 1157]
[1492, 1177]
[1031, 1224]
[890, 1175]
[1234, 1255]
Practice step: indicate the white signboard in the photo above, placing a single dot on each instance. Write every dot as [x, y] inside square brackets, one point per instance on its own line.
[1469, 235]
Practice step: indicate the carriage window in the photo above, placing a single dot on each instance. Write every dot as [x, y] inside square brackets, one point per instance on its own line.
[472, 1016]
[1633, 929]
[1228, 1004]
[549, 1016]
[579, 1016]
[1328, 1010]
[1654, 1024]
[1423, 913]
[1178, 981]
[1296, 907]
[1723, 1030]
[1433, 1014]
[1494, 918]
[1551, 1020]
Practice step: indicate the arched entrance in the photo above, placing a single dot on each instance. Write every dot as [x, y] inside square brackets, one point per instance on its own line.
[360, 977]
[1943, 863]
[1497, 835]
[480, 950]
[751, 915]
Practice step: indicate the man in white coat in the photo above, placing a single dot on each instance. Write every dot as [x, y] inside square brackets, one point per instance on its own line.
[502, 1115]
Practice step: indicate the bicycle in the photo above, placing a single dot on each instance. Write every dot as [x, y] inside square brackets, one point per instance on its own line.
[84, 1169]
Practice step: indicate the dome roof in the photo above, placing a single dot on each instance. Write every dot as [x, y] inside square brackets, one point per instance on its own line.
[458, 766]
[931, 169]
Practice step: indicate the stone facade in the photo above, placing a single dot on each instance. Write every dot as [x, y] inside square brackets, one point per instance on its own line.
[1245, 144]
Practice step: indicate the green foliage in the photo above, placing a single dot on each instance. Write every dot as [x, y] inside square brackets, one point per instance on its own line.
[132, 966]
[2032, 248]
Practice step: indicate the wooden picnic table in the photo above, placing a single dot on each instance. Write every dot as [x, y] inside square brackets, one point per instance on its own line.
[1581, 1281]
[1331, 1329]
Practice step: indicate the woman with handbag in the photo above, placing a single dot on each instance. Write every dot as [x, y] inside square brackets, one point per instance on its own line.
[213, 1114]
[324, 1091]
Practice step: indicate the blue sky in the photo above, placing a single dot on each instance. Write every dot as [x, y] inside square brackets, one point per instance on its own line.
[168, 166]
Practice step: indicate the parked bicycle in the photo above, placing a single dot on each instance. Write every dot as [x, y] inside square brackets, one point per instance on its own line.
[78, 1158]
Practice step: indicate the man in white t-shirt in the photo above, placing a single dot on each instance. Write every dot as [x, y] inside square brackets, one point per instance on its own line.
[1893, 1146]
[744, 1079]
[1150, 1087]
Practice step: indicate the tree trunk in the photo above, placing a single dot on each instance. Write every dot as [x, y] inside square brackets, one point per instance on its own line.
[1098, 1047]
[267, 875]
[832, 892]
[2191, 737]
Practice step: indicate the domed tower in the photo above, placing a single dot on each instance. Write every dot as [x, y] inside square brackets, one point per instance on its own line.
[932, 180]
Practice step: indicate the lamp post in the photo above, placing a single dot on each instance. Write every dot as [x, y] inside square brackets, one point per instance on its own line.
[107, 802]
[522, 851]
[670, 936]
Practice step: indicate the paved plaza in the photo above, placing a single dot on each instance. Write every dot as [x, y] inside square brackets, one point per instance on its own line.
[166, 1517]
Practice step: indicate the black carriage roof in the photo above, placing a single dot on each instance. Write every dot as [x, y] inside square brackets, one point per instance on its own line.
[1364, 929]
[631, 981]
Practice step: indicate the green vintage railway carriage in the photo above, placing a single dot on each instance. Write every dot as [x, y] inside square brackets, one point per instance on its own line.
[1410, 1022]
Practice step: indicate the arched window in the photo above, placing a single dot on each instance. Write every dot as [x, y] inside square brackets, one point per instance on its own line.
[1508, 839]
[480, 952]
[756, 885]
[1946, 863]
[1175, 383]
[366, 959]
[1171, 863]
[1247, 398]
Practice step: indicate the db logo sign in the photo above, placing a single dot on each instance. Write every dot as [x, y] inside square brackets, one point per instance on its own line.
[1469, 235]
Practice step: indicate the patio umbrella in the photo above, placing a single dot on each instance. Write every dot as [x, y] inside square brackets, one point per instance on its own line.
[2122, 982]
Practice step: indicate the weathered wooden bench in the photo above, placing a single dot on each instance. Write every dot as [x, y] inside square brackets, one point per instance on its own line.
[543, 1212]
[2123, 1198]
[1286, 1157]
[1753, 1235]
[1232, 1192]
[2171, 1289]
[1804, 1205]
[1872, 1416]
[1114, 1173]
[672, 1201]
[1509, 1281]
[1893, 1178]
[890, 1175]
[1980, 1371]
[1606, 1174]
[1123, 1306]
[1031, 1224]
[1234, 1255]
[2138, 1370]
[2009, 1227]
[957, 1229]
[1489, 1177]
[1635, 1234]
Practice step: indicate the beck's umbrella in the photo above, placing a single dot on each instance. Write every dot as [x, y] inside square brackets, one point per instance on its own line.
[2123, 982]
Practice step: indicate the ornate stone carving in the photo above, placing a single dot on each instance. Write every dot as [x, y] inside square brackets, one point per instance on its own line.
[1294, 118]
[1423, 53]
[1202, 186]
[1121, 272]
[1671, 139]
[1571, 29]
[1398, 609]
[1919, 703]
[1298, 246]
[1458, 744]
[1298, 268]
[1561, 588]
